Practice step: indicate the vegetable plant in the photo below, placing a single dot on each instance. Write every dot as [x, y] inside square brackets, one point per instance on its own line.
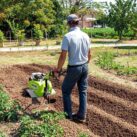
[2, 134]
[8, 108]
[106, 61]
[47, 126]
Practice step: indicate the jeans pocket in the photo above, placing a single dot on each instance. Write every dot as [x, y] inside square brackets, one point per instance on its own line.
[73, 71]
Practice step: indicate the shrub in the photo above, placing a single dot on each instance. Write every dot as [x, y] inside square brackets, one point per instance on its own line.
[8, 108]
[21, 35]
[38, 33]
[101, 32]
[106, 33]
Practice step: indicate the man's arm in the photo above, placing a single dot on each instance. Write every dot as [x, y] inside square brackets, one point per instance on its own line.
[62, 59]
[89, 56]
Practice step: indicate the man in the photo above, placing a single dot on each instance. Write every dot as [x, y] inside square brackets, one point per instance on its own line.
[77, 44]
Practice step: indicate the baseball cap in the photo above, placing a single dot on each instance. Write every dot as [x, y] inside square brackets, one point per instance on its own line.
[72, 17]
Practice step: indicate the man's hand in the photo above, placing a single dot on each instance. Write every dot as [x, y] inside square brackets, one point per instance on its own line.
[56, 73]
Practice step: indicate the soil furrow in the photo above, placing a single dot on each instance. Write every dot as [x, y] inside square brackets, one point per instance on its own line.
[71, 128]
[113, 108]
[102, 123]
[113, 98]
[117, 90]
[103, 111]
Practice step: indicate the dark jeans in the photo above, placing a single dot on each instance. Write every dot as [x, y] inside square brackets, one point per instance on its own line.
[77, 74]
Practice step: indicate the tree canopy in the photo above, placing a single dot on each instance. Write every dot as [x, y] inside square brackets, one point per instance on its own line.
[22, 16]
[121, 15]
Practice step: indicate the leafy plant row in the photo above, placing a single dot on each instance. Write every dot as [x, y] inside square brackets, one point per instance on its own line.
[106, 61]
[47, 126]
[40, 124]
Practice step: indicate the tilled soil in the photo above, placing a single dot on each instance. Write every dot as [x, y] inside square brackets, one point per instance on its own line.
[112, 109]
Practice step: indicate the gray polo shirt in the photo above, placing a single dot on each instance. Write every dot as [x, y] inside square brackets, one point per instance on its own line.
[77, 43]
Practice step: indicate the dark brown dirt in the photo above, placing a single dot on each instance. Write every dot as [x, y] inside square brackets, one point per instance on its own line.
[15, 79]
[115, 89]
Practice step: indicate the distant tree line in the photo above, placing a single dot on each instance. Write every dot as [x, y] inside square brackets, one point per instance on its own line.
[49, 16]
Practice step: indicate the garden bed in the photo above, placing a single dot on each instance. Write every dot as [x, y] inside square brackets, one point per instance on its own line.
[112, 114]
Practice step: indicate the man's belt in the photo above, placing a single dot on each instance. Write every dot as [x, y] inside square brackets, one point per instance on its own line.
[77, 65]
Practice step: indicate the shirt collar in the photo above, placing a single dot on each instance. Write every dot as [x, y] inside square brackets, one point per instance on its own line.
[74, 28]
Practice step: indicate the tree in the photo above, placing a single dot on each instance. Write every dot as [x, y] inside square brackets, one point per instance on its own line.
[120, 15]
[133, 24]
[83, 8]
[27, 13]
[60, 16]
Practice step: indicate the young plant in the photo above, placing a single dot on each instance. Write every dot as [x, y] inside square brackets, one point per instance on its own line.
[21, 37]
[2, 134]
[8, 107]
[82, 134]
[106, 61]
[47, 126]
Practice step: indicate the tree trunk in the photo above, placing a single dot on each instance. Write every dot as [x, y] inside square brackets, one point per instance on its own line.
[120, 34]
[37, 42]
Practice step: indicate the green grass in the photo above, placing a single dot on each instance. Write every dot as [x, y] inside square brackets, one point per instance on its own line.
[106, 61]
[28, 58]
[127, 60]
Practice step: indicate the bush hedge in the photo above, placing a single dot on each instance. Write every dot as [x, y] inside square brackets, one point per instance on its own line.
[107, 33]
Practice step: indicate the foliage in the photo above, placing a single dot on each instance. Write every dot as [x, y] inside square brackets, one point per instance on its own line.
[89, 8]
[106, 33]
[106, 61]
[1, 36]
[82, 134]
[59, 27]
[8, 108]
[21, 35]
[120, 15]
[14, 28]
[47, 127]
[27, 13]
[101, 32]
[38, 33]
[133, 24]
[2, 134]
